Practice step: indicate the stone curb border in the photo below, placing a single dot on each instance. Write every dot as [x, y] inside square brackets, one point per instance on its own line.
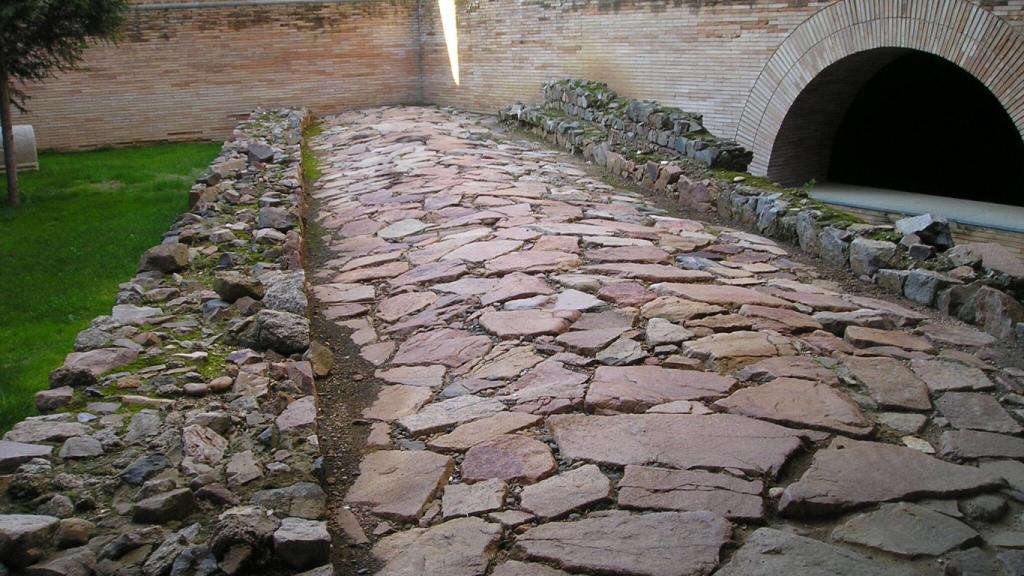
[982, 284]
[180, 436]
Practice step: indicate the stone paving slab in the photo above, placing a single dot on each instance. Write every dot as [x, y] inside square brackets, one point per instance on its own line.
[603, 388]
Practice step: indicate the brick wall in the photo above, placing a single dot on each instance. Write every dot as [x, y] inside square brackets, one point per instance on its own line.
[700, 55]
[190, 74]
[188, 69]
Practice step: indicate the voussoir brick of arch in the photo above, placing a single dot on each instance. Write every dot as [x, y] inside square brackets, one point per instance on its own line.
[959, 31]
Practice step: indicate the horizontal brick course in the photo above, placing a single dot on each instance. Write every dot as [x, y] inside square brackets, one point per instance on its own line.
[193, 74]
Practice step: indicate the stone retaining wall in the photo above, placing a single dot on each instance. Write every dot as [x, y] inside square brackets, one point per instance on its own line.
[980, 283]
[180, 436]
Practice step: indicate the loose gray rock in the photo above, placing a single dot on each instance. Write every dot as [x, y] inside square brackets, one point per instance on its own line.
[173, 505]
[81, 447]
[282, 332]
[276, 218]
[287, 293]
[931, 230]
[867, 256]
[24, 537]
[302, 543]
[301, 500]
[165, 258]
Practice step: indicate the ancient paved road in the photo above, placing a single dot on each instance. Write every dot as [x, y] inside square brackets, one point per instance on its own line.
[574, 382]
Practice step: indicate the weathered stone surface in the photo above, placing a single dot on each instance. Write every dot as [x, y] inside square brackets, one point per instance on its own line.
[799, 403]
[516, 568]
[867, 256]
[779, 319]
[533, 261]
[649, 272]
[976, 411]
[661, 331]
[51, 400]
[402, 305]
[947, 375]
[231, 286]
[852, 473]
[507, 363]
[81, 447]
[423, 376]
[621, 352]
[42, 429]
[637, 388]
[161, 508]
[83, 368]
[14, 454]
[548, 389]
[801, 367]
[728, 296]
[510, 457]
[675, 309]
[862, 337]
[626, 294]
[946, 333]
[736, 346]
[589, 341]
[444, 346]
[300, 414]
[714, 441]
[905, 529]
[970, 445]
[428, 274]
[166, 258]
[394, 402]
[301, 500]
[302, 543]
[402, 228]
[399, 484]
[514, 286]
[470, 499]
[518, 323]
[459, 547]
[648, 254]
[569, 491]
[889, 382]
[575, 300]
[283, 332]
[902, 421]
[24, 537]
[645, 487]
[470, 434]
[932, 230]
[451, 412]
[482, 251]
[771, 552]
[658, 544]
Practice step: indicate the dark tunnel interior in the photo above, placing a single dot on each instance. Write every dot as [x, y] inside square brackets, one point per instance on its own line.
[923, 124]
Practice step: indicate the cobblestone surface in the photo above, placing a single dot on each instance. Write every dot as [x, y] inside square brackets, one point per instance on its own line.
[605, 388]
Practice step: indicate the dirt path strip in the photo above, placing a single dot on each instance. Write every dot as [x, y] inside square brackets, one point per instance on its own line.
[566, 379]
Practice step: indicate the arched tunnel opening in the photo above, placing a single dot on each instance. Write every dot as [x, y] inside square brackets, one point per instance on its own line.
[903, 120]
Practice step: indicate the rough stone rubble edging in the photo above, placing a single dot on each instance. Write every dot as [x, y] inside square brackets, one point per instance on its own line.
[978, 283]
[181, 434]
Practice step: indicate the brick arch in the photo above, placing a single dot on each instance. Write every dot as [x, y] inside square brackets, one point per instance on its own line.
[867, 34]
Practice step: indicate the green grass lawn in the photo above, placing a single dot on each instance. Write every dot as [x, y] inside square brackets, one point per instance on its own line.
[85, 219]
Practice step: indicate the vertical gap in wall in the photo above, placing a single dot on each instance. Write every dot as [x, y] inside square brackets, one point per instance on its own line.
[419, 49]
